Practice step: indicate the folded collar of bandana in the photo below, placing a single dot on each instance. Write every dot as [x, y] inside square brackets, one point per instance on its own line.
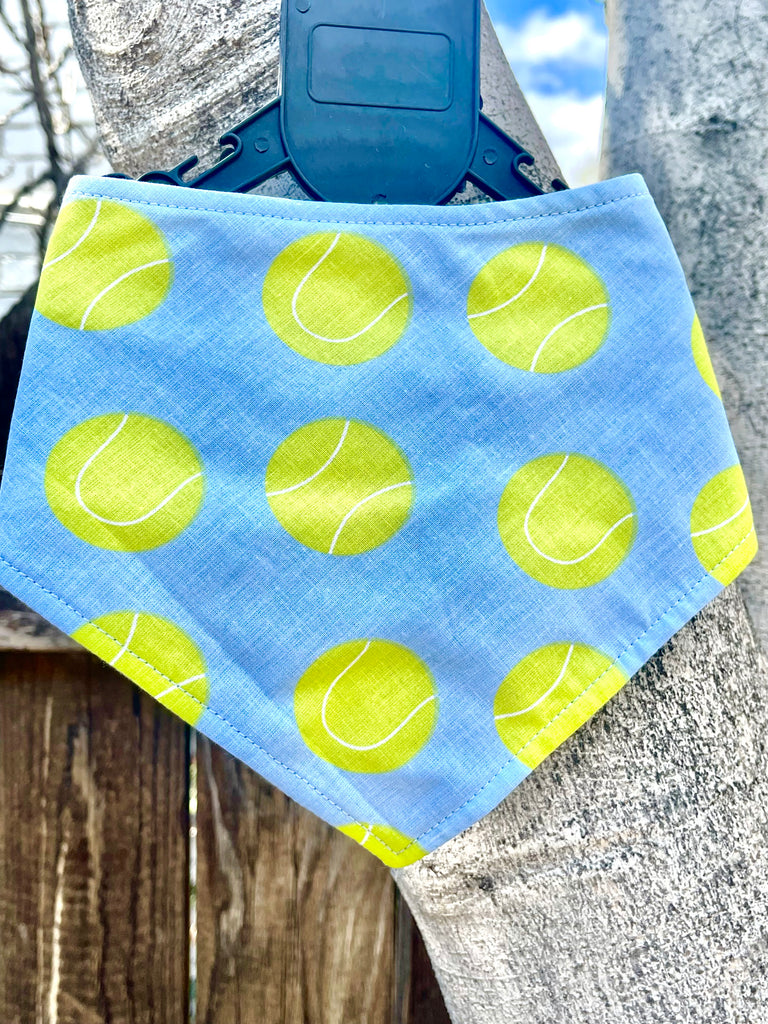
[385, 500]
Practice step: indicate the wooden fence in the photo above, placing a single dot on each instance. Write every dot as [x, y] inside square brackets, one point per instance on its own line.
[148, 876]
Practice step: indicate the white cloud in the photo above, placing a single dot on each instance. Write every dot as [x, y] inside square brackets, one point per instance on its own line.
[542, 38]
[572, 126]
[571, 121]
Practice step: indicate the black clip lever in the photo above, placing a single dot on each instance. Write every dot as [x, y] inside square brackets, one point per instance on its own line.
[380, 103]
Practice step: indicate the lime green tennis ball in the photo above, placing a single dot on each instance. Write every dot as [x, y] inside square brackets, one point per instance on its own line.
[366, 705]
[722, 529]
[539, 307]
[567, 520]
[153, 652]
[106, 266]
[124, 481]
[340, 486]
[337, 298]
[550, 694]
[391, 847]
[701, 356]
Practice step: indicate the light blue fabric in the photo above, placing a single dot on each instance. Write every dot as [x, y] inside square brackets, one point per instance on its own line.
[261, 606]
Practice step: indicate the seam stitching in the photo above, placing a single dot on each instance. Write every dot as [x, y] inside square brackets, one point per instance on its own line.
[374, 223]
[328, 800]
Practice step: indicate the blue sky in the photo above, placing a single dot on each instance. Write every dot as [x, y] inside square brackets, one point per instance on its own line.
[557, 49]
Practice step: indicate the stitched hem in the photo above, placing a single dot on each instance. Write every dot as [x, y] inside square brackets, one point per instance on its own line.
[377, 223]
[319, 792]
[312, 212]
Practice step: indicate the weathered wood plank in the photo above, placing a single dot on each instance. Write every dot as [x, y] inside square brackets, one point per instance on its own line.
[93, 847]
[418, 999]
[295, 921]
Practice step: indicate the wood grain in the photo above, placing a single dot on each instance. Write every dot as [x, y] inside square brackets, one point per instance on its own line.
[295, 921]
[418, 999]
[93, 847]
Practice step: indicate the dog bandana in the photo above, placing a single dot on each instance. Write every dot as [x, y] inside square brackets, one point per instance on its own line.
[385, 500]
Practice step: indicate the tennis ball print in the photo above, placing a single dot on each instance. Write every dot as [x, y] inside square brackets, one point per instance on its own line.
[722, 529]
[390, 846]
[702, 358]
[567, 520]
[549, 694]
[337, 298]
[539, 307]
[340, 486]
[366, 705]
[106, 266]
[156, 654]
[124, 481]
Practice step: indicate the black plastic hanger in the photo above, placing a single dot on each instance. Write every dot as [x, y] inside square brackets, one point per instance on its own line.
[380, 103]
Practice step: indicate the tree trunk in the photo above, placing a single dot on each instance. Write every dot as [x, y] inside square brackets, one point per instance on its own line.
[688, 106]
[624, 879]
[627, 879]
[166, 81]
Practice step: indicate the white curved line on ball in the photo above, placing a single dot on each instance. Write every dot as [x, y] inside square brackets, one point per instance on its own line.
[179, 686]
[376, 494]
[573, 316]
[103, 292]
[368, 833]
[565, 561]
[319, 337]
[119, 522]
[128, 639]
[80, 240]
[523, 290]
[711, 529]
[370, 746]
[514, 714]
[303, 483]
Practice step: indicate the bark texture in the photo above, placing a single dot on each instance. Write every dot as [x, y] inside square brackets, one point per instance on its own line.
[167, 79]
[626, 879]
[688, 106]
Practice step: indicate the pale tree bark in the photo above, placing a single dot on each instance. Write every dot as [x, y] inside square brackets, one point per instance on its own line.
[167, 79]
[626, 880]
[688, 106]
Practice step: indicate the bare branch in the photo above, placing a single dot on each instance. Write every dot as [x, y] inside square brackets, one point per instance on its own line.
[43, 230]
[64, 112]
[42, 33]
[7, 118]
[23, 190]
[80, 163]
[79, 166]
[9, 26]
[57, 64]
[6, 69]
[58, 176]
